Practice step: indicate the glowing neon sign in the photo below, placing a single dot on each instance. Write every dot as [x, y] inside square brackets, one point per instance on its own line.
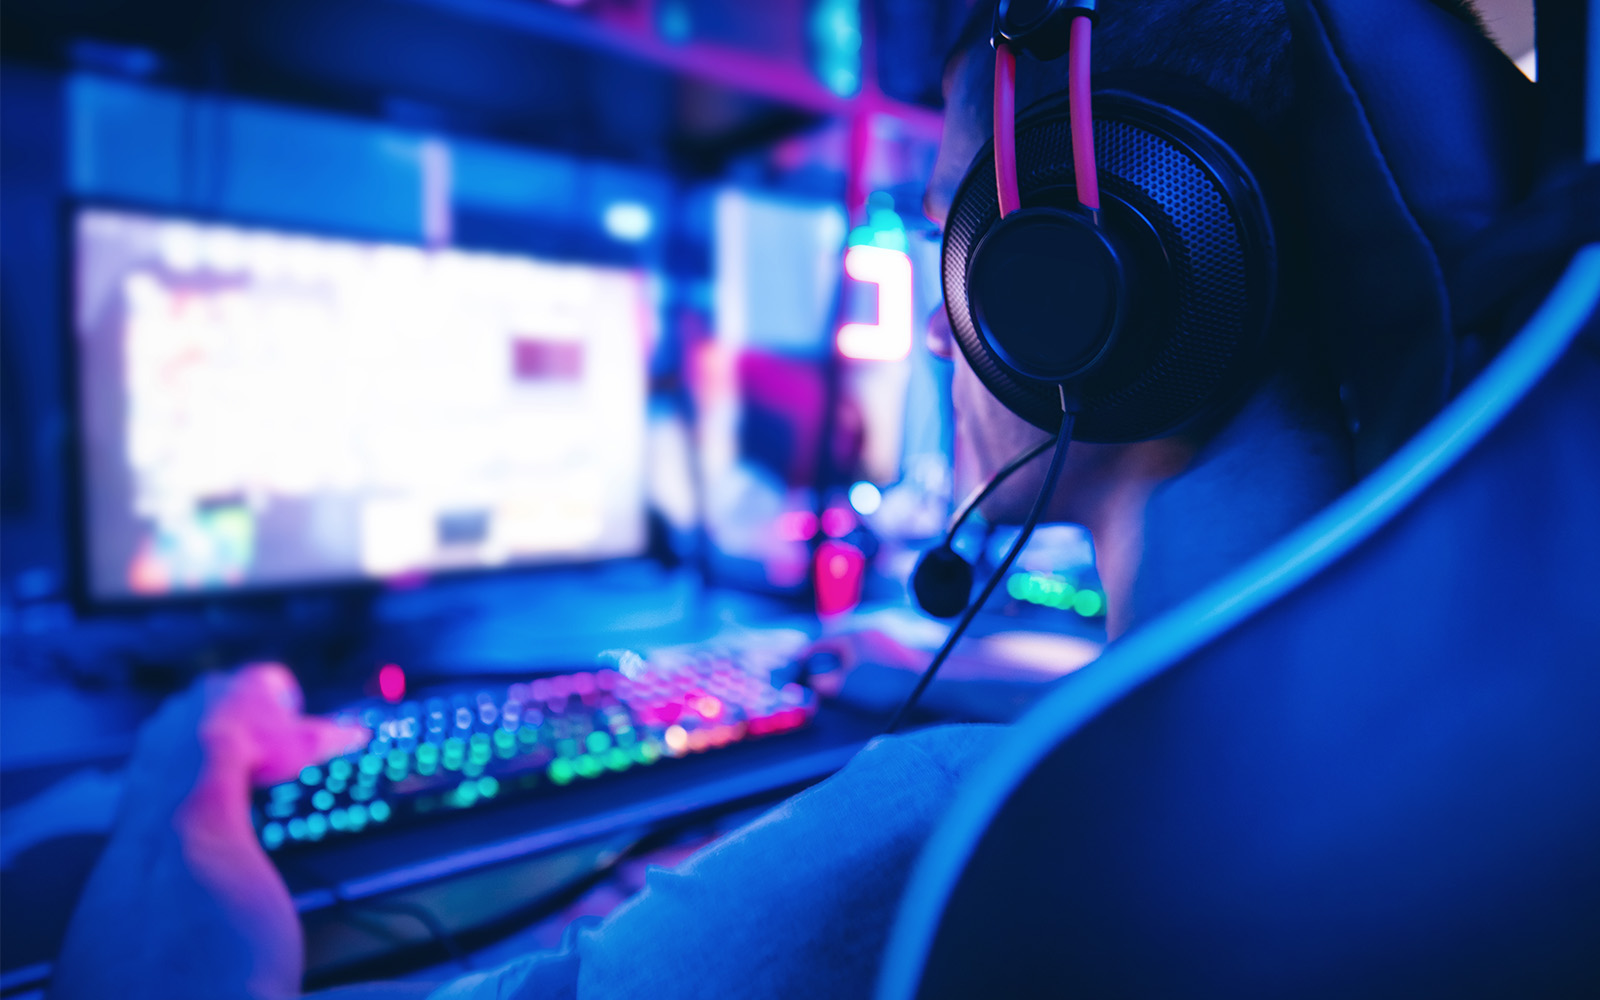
[889, 339]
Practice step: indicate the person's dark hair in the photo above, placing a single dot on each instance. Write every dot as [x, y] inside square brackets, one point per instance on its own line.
[1237, 48]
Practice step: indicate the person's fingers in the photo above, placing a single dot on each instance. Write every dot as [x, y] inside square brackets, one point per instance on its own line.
[865, 646]
[264, 685]
[829, 654]
[309, 740]
[253, 727]
[829, 684]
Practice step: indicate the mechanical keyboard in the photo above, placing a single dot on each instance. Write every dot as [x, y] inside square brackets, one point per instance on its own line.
[453, 747]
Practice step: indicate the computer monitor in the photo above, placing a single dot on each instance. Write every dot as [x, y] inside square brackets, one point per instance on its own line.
[262, 409]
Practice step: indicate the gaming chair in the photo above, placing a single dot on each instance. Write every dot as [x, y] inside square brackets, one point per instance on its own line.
[1367, 763]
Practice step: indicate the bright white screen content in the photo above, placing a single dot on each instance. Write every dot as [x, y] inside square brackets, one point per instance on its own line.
[261, 409]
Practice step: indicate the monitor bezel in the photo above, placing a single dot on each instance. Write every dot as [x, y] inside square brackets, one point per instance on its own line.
[80, 576]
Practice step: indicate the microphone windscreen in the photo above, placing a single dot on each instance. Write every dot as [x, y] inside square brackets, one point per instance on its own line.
[942, 582]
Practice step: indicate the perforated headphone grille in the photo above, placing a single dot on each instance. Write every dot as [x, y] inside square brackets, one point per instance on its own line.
[1212, 226]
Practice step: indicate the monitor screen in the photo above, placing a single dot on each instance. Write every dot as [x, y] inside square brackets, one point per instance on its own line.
[265, 409]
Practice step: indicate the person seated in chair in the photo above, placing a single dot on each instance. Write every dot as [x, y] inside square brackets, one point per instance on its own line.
[185, 904]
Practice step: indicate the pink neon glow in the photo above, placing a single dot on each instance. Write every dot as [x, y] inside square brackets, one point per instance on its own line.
[1083, 162]
[838, 522]
[889, 339]
[797, 525]
[392, 682]
[840, 568]
[1005, 128]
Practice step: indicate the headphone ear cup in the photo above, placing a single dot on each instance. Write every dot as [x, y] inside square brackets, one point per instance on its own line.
[942, 582]
[1190, 224]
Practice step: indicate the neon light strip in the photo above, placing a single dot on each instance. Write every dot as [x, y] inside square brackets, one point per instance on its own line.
[889, 339]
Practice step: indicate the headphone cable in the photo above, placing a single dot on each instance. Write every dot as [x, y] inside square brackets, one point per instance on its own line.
[982, 493]
[1061, 441]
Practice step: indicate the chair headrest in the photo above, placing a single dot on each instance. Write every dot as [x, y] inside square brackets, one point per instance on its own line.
[1413, 134]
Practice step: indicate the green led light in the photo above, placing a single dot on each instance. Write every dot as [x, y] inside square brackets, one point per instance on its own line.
[379, 811]
[427, 759]
[528, 734]
[617, 759]
[323, 799]
[567, 748]
[465, 795]
[488, 787]
[503, 738]
[598, 742]
[625, 736]
[312, 775]
[340, 769]
[371, 764]
[473, 768]
[454, 747]
[272, 836]
[883, 226]
[647, 752]
[1052, 591]
[560, 771]
[1089, 603]
[399, 759]
[480, 740]
[588, 767]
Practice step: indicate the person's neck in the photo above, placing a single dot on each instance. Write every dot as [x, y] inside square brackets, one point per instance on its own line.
[1178, 521]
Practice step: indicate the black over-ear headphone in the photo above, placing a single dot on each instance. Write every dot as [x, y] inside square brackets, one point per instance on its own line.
[1113, 320]
[1157, 299]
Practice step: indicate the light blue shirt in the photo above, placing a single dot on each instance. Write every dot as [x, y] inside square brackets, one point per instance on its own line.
[797, 903]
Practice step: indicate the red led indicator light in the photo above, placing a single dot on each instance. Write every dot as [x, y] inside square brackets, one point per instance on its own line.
[392, 682]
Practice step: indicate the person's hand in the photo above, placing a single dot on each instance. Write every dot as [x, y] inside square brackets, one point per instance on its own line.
[832, 659]
[993, 679]
[184, 901]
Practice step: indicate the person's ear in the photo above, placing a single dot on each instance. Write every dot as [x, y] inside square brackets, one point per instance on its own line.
[941, 343]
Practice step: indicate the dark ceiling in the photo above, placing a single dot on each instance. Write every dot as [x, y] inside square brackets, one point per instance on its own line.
[421, 64]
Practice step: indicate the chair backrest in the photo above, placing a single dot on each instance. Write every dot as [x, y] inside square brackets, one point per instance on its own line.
[1366, 764]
